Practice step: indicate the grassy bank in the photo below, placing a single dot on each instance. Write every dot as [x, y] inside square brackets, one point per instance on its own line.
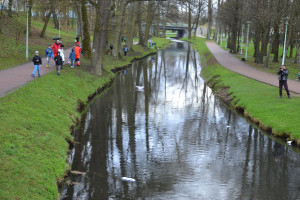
[258, 101]
[13, 39]
[35, 127]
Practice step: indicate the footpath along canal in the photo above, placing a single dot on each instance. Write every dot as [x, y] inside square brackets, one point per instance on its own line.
[171, 138]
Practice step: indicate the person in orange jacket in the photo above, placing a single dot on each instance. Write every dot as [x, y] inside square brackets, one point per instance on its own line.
[55, 47]
[77, 50]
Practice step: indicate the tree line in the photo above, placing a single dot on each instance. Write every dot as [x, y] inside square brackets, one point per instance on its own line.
[267, 20]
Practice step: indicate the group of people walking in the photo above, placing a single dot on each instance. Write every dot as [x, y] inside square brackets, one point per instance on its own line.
[56, 52]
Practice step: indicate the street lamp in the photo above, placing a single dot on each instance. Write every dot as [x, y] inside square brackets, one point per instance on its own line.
[27, 29]
[284, 46]
[247, 41]
[242, 38]
[58, 25]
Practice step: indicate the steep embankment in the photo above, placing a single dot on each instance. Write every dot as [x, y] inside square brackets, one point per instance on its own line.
[35, 126]
[257, 101]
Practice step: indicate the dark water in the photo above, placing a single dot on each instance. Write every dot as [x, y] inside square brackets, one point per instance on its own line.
[176, 139]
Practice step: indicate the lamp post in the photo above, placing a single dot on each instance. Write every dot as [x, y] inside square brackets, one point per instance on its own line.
[27, 29]
[58, 25]
[76, 25]
[284, 46]
[247, 41]
[242, 38]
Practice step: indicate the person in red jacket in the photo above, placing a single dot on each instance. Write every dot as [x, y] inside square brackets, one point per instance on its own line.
[77, 50]
[55, 47]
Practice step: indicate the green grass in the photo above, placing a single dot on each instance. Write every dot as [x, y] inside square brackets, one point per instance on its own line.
[273, 66]
[260, 101]
[35, 126]
[13, 52]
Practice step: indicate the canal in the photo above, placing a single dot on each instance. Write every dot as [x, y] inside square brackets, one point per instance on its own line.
[171, 138]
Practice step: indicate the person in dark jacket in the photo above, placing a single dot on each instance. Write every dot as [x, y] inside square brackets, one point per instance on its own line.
[37, 61]
[58, 62]
[111, 46]
[282, 77]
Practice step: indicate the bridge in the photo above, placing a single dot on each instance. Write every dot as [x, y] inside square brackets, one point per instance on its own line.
[182, 29]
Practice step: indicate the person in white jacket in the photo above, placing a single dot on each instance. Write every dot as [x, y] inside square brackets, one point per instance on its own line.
[61, 50]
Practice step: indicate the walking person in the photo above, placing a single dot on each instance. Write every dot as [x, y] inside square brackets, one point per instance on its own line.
[58, 62]
[125, 49]
[125, 39]
[62, 54]
[37, 61]
[55, 47]
[111, 46]
[282, 77]
[72, 58]
[77, 50]
[49, 55]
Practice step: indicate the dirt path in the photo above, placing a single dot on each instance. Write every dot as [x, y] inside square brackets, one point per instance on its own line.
[232, 63]
[14, 78]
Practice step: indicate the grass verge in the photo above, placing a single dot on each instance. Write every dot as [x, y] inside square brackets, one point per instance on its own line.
[257, 101]
[35, 129]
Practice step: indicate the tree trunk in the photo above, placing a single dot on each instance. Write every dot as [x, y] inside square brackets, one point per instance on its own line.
[86, 39]
[45, 25]
[55, 20]
[297, 54]
[209, 18]
[119, 29]
[190, 21]
[268, 56]
[148, 21]
[29, 16]
[131, 25]
[139, 23]
[10, 8]
[257, 45]
[79, 20]
[100, 36]
[275, 45]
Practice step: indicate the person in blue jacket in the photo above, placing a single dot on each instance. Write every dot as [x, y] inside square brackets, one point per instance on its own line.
[72, 58]
[49, 55]
[125, 49]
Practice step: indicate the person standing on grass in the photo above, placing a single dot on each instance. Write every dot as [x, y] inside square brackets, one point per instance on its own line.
[72, 58]
[282, 77]
[125, 49]
[111, 46]
[49, 55]
[77, 50]
[62, 54]
[55, 47]
[37, 61]
[58, 62]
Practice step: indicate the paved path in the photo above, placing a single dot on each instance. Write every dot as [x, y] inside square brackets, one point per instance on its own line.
[230, 62]
[13, 78]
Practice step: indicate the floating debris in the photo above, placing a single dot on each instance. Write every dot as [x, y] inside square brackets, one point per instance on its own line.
[128, 179]
[289, 142]
[78, 173]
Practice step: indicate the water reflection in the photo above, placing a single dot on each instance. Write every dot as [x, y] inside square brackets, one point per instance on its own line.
[176, 140]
